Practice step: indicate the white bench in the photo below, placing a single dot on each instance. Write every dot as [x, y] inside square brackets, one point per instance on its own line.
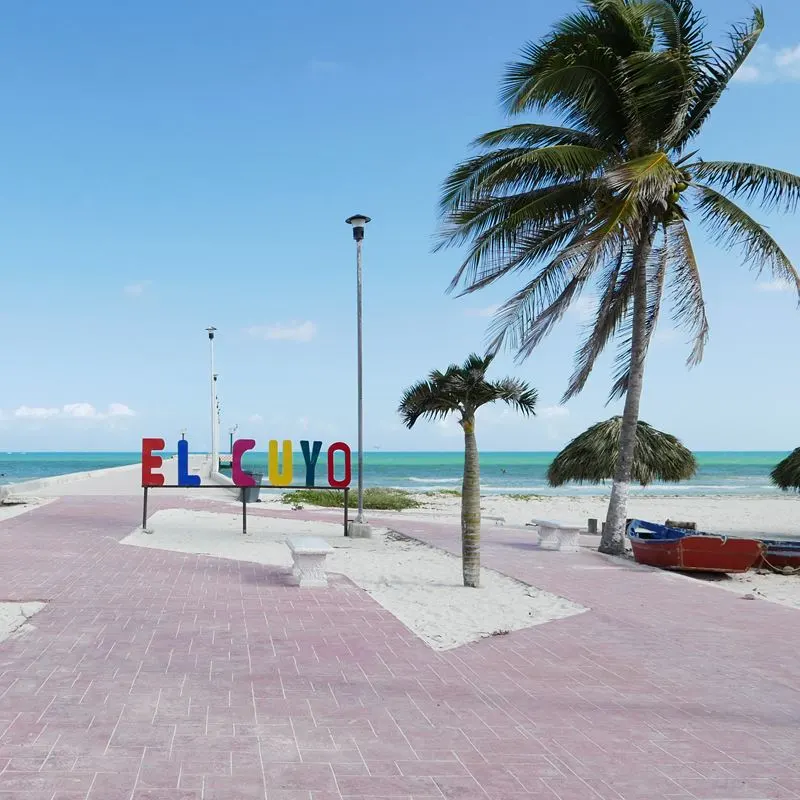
[496, 520]
[555, 536]
[308, 554]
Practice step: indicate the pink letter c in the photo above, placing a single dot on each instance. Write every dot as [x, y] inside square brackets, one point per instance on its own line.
[240, 447]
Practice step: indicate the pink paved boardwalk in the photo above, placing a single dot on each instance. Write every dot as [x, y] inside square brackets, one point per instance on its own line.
[164, 676]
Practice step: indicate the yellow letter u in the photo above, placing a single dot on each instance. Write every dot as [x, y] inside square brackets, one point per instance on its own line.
[278, 477]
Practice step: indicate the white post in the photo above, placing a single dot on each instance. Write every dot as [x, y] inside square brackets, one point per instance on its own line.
[359, 528]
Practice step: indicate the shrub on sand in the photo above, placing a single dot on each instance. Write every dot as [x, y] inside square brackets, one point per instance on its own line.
[376, 498]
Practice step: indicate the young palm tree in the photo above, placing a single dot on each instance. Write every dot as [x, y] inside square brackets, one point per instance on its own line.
[603, 198]
[462, 390]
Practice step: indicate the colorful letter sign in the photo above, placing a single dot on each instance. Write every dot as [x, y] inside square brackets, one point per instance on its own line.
[280, 469]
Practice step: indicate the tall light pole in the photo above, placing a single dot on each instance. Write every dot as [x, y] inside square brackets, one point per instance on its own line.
[359, 527]
[231, 431]
[214, 444]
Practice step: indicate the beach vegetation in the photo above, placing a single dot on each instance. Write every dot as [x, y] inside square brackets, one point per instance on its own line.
[446, 492]
[592, 455]
[786, 474]
[462, 390]
[596, 195]
[375, 497]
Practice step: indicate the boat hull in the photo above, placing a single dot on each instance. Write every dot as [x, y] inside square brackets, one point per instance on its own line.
[705, 553]
[780, 555]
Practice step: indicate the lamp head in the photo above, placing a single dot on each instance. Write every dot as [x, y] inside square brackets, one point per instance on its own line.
[358, 221]
[210, 332]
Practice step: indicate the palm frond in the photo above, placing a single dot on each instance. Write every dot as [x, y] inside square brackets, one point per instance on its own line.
[517, 169]
[658, 89]
[678, 25]
[656, 273]
[616, 294]
[689, 310]
[516, 393]
[591, 456]
[571, 76]
[769, 187]
[463, 388]
[732, 227]
[718, 72]
[509, 231]
[429, 398]
[529, 315]
[649, 178]
[537, 135]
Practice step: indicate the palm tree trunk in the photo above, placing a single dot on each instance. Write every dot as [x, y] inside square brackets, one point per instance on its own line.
[471, 508]
[613, 540]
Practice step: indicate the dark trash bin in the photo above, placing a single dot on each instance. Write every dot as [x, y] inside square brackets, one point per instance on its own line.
[249, 494]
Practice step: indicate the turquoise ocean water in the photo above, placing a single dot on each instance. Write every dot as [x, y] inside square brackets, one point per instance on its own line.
[719, 473]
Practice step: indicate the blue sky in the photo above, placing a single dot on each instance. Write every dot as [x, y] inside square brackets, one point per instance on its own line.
[167, 166]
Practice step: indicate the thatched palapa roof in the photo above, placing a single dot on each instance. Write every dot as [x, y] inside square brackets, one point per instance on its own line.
[786, 474]
[592, 456]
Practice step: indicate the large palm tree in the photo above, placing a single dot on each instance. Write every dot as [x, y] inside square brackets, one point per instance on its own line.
[462, 390]
[602, 198]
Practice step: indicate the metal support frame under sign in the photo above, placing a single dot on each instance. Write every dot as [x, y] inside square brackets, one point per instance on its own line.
[345, 489]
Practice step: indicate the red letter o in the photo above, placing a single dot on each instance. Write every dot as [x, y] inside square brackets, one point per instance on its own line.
[344, 448]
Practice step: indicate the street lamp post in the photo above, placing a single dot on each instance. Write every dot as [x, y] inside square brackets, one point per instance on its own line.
[231, 431]
[359, 528]
[214, 444]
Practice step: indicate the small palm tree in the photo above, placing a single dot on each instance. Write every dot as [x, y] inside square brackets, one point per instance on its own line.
[786, 474]
[602, 197]
[591, 456]
[462, 390]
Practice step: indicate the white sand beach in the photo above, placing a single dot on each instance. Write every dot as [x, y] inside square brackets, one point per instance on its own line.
[420, 585]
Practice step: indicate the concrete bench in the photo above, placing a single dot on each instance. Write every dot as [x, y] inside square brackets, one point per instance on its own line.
[308, 554]
[496, 520]
[556, 536]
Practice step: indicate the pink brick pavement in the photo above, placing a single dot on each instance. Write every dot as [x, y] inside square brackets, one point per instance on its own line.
[164, 676]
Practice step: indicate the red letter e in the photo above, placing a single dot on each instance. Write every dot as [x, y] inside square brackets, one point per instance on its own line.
[151, 462]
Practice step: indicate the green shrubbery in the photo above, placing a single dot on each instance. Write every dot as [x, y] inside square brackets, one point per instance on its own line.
[376, 498]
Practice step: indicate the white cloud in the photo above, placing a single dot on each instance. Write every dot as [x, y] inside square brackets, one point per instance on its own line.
[74, 411]
[748, 73]
[584, 308]
[778, 285]
[789, 57]
[449, 427]
[552, 412]
[289, 332]
[79, 410]
[136, 289]
[255, 419]
[488, 311]
[36, 412]
[665, 335]
[120, 410]
[768, 65]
